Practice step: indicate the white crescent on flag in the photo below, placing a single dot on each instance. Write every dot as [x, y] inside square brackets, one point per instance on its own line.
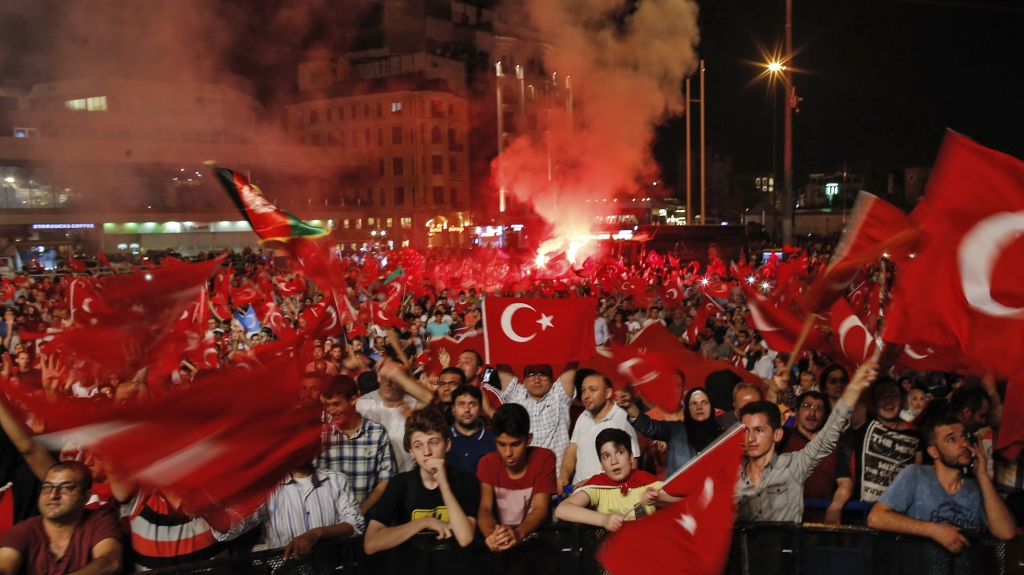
[979, 250]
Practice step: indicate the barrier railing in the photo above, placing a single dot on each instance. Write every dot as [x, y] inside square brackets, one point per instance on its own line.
[566, 549]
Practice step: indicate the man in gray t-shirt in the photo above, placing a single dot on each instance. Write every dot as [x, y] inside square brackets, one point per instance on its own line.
[940, 500]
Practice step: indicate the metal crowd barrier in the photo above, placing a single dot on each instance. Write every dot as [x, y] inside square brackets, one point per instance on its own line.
[566, 549]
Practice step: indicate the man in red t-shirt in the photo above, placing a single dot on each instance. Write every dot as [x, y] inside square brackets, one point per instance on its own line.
[66, 537]
[832, 479]
[516, 481]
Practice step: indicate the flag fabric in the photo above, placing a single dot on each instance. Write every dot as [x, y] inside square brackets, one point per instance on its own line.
[200, 442]
[693, 535]
[103, 259]
[962, 290]
[269, 222]
[851, 338]
[1010, 437]
[76, 265]
[399, 272]
[778, 325]
[653, 374]
[250, 323]
[877, 228]
[658, 339]
[7, 290]
[275, 320]
[518, 331]
[382, 317]
[708, 308]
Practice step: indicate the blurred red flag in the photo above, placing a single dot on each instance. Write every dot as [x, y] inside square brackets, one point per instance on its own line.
[103, 259]
[693, 535]
[382, 317]
[1010, 438]
[199, 442]
[850, 336]
[652, 374]
[876, 228]
[538, 330]
[779, 326]
[962, 289]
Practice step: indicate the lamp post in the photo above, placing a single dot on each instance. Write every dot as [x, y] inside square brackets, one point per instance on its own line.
[787, 150]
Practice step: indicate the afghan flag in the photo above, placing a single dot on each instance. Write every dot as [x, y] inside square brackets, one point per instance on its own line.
[269, 223]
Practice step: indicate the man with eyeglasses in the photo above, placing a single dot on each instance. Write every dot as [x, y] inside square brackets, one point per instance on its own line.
[940, 500]
[831, 480]
[449, 379]
[66, 537]
[547, 404]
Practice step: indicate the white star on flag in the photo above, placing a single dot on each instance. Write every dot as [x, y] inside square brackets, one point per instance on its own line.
[545, 321]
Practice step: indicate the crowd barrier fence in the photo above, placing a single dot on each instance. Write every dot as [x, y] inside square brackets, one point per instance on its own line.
[567, 549]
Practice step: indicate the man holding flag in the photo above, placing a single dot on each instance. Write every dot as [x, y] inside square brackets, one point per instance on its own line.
[771, 485]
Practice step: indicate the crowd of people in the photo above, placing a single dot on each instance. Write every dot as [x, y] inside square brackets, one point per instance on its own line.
[417, 437]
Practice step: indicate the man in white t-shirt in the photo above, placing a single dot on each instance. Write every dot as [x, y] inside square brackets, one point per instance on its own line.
[396, 398]
[601, 413]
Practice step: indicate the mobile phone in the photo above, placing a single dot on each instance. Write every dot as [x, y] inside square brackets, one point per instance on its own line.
[488, 374]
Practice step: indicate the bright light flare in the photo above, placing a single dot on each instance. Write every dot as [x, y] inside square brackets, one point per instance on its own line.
[765, 286]
[750, 279]
[704, 281]
[775, 67]
[542, 260]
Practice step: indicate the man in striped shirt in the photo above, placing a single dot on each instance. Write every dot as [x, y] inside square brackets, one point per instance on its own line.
[354, 445]
[310, 505]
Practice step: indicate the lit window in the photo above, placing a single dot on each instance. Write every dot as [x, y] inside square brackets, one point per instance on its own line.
[406, 222]
[771, 181]
[391, 223]
[75, 104]
[359, 224]
[369, 221]
[396, 107]
[757, 182]
[344, 225]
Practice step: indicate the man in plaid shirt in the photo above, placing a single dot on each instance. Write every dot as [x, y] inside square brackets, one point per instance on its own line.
[547, 403]
[354, 445]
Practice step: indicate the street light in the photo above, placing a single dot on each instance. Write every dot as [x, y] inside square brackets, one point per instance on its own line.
[775, 67]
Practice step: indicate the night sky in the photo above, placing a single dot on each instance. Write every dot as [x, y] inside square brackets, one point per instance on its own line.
[881, 80]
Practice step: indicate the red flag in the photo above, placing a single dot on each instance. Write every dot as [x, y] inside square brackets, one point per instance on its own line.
[295, 286]
[851, 337]
[655, 260]
[657, 338]
[779, 326]
[538, 330]
[692, 535]
[245, 295]
[962, 289]
[76, 266]
[708, 308]
[7, 291]
[269, 222]
[275, 320]
[1010, 437]
[382, 317]
[84, 303]
[876, 228]
[103, 259]
[653, 375]
[200, 443]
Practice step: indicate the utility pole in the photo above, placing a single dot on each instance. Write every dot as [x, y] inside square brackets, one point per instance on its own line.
[689, 160]
[787, 154]
[703, 163]
[501, 139]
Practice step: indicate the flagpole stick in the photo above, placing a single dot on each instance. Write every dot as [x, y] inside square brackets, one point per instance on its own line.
[808, 324]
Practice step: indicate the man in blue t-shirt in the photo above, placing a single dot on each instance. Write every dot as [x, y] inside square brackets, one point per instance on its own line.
[940, 500]
[470, 439]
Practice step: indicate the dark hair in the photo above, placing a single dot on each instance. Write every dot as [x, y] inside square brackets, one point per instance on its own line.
[84, 474]
[823, 376]
[467, 390]
[881, 383]
[425, 421]
[479, 358]
[928, 429]
[768, 408]
[511, 419]
[970, 397]
[616, 437]
[340, 385]
[817, 395]
[312, 375]
[454, 371]
[368, 382]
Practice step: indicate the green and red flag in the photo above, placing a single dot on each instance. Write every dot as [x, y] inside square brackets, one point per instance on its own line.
[269, 222]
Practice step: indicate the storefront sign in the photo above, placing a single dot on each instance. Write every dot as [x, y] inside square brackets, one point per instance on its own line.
[63, 226]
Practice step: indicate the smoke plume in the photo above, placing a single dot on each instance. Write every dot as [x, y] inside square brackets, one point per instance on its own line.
[626, 61]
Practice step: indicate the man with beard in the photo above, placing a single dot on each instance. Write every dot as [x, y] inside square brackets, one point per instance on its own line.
[311, 384]
[831, 480]
[65, 537]
[449, 379]
[601, 413]
[470, 439]
[941, 500]
[884, 445]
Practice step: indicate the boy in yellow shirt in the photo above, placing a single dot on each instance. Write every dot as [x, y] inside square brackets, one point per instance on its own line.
[619, 494]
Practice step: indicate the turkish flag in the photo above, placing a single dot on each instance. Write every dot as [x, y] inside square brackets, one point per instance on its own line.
[275, 320]
[658, 339]
[962, 290]
[84, 303]
[199, 443]
[76, 266]
[708, 308]
[245, 295]
[454, 349]
[653, 375]
[850, 336]
[779, 326]
[7, 291]
[877, 228]
[691, 536]
[382, 317]
[292, 287]
[924, 358]
[103, 259]
[549, 331]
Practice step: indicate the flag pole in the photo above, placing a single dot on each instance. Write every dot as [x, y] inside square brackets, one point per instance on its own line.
[808, 324]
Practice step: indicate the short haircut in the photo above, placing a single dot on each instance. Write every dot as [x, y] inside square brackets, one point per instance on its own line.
[800, 399]
[468, 390]
[312, 375]
[616, 437]
[744, 387]
[479, 358]
[928, 429]
[340, 385]
[769, 409]
[511, 419]
[427, 420]
[454, 371]
[368, 382]
[84, 475]
[970, 397]
[882, 383]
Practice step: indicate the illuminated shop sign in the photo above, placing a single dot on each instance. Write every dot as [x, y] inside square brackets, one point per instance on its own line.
[63, 226]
